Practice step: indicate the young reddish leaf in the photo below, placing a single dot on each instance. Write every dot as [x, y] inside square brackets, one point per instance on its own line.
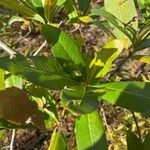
[16, 107]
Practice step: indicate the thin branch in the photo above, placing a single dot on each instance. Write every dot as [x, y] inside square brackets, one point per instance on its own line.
[12, 139]
[11, 146]
[6, 48]
[40, 48]
[22, 38]
[137, 126]
[106, 124]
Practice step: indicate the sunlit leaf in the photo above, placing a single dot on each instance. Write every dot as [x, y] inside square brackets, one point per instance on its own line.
[13, 80]
[132, 95]
[125, 11]
[58, 141]
[90, 132]
[103, 60]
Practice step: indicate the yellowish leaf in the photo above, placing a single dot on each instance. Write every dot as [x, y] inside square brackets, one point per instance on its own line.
[85, 19]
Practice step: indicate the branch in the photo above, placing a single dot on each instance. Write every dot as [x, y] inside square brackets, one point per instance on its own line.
[6, 48]
[137, 126]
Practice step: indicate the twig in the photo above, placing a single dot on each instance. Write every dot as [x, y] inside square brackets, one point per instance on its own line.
[34, 142]
[11, 146]
[106, 124]
[6, 48]
[22, 38]
[12, 139]
[137, 126]
[40, 48]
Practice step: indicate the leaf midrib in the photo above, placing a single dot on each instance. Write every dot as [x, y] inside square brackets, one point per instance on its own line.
[89, 130]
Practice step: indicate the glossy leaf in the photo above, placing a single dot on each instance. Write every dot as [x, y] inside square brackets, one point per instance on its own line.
[134, 95]
[102, 63]
[123, 10]
[133, 143]
[39, 70]
[58, 141]
[84, 5]
[79, 100]
[63, 46]
[90, 132]
[20, 8]
[16, 107]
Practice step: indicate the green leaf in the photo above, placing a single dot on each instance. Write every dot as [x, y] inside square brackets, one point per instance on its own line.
[132, 95]
[143, 45]
[60, 2]
[143, 35]
[49, 118]
[61, 48]
[102, 63]
[69, 54]
[39, 7]
[58, 141]
[2, 133]
[84, 5]
[71, 9]
[13, 80]
[20, 8]
[37, 3]
[49, 6]
[79, 99]
[146, 143]
[113, 20]
[2, 74]
[39, 70]
[133, 143]
[123, 10]
[37, 91]
[90, 132]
